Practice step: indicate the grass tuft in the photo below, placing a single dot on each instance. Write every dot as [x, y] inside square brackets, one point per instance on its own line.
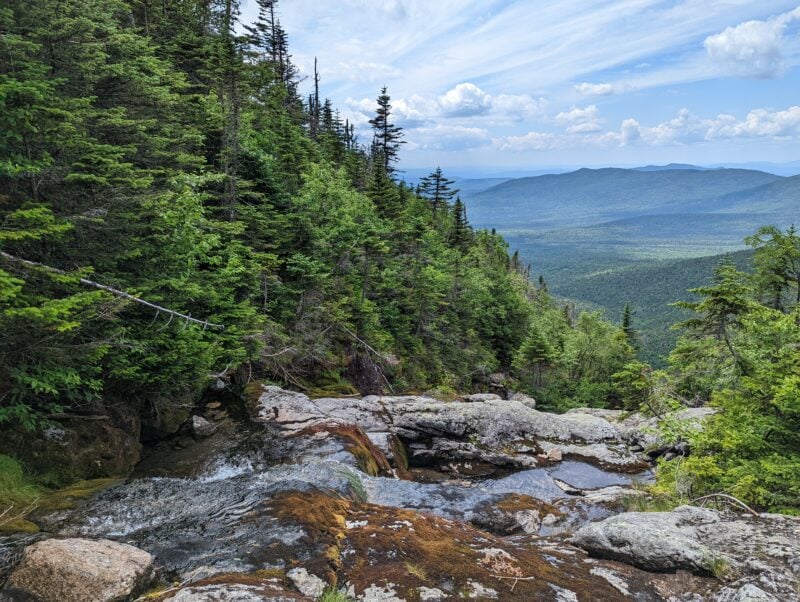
[331, 594]
[416, 570]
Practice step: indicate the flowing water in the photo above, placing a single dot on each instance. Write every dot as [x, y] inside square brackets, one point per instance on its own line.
[205, 506]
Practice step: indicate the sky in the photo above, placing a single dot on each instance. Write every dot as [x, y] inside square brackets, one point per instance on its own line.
[493, 85]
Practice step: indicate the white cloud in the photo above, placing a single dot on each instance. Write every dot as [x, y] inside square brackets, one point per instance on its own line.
[577, 114]
[448, 137]
[466, 100]
[588, 89]
[759, 123]
[684, 129]
[687, 128]
[411, 112]
[585, 128]
[581, 120]
[518, 107]
[528, 142]
[630, 132]
[753, 48]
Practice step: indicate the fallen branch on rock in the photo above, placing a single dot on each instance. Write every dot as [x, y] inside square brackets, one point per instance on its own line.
[368, 347]
[515, 579]
[726, 498]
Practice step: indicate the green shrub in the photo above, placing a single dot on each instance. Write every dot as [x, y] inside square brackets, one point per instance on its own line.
[16, 488]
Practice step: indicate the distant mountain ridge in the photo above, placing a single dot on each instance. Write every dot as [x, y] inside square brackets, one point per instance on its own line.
[591, 196]
[642, 235]
[673, 166]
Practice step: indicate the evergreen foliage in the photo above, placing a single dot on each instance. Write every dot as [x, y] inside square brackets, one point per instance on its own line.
[387, 136]
[740, 352]
[165, 153]
[438, 190]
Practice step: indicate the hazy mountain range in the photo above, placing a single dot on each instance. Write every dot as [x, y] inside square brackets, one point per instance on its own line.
[601, 236]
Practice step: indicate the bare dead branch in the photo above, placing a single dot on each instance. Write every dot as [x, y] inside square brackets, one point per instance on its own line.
[515, 579]
[370, 348]
[727, 498]
[6, 517]
[116, 292]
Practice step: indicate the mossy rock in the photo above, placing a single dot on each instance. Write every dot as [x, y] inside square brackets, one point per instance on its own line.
[69, 497]
[19, 525]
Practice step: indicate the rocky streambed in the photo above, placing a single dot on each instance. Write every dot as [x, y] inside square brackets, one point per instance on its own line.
[397, 498]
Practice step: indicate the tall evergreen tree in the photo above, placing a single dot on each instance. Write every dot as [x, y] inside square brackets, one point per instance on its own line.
[720, 310]
[387, 137]
[437, 189]
[627, 327]
[462, 233]
[227, 69]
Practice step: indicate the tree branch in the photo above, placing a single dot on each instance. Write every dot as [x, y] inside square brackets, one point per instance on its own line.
[116, 292]
[728, 498]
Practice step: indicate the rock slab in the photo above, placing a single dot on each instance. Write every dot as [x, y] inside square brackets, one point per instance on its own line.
[80, 570]
[752, 554]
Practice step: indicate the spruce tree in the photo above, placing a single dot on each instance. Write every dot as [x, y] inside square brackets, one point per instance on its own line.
[387, 137]
[627, 327]
[721, 308]
[462, 233]
[777, 262]
[437, 189]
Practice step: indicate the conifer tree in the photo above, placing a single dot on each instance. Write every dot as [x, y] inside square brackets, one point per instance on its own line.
[627, 326]
[461, 229]
[263, 32]
[387, 137]
[721, 308]
[777, 262]
[437, 189]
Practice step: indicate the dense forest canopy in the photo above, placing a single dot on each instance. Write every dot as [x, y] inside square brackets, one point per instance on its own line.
[161, 152]
[165, 151]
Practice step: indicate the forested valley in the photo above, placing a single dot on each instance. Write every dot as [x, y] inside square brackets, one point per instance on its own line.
[180, 225]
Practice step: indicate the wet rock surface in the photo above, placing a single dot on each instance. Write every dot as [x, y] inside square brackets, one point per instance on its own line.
[401, 498]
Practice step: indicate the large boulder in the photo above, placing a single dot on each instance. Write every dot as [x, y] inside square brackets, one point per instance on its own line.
[762, 551]
[78, 447]
[162, 416]
[640, 430]
[79, 570]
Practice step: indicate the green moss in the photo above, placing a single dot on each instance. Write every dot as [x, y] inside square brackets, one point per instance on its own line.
[442, 393]
[18, 495]
[19, 525]
[67, 497]
[400, 453]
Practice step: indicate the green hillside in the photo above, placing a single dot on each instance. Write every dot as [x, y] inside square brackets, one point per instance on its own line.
[471, 186]
[780, 197]
[598, 234]
[649, 288]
